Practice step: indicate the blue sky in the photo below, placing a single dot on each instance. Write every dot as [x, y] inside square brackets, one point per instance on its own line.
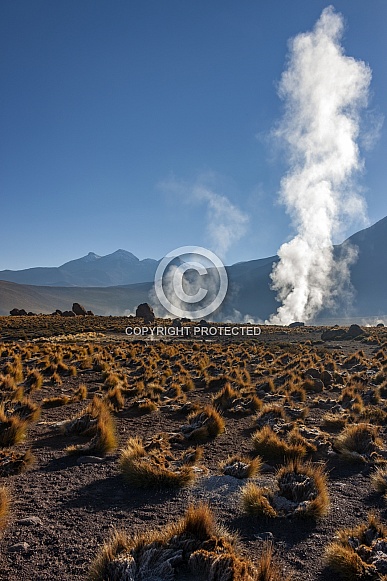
[114, 115]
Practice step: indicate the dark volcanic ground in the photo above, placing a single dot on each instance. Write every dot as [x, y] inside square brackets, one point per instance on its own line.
[64, 510]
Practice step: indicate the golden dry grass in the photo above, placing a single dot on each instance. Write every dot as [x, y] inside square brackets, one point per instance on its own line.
[4, 506]
[241, 466]
[350, 554]
[358, 441]
[142, 468]
[12, 429]
[301, 491]
[274, 449]
[196, 542]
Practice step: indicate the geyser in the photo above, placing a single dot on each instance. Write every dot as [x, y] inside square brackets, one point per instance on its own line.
[324, 93]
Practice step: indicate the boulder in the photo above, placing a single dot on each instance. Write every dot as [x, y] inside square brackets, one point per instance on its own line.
[68, 314]
[296, 324]
[18, 313]
[145, 312]
[333, 335]
[312, 372]
[380, 325]
[337, 334]
[90, 313]
[355, 331]
[79, 309]
[327, 378]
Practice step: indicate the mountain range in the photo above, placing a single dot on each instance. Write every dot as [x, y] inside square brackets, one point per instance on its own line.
[120, 267]
[115, 284]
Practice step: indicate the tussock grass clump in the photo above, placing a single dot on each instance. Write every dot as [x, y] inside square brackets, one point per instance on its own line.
[216, 382]
[34, 379]
[4, 506]
[304, 485]
[56, 379]
[192, 456]
[373, 414]
[112, 380]
[242, 401]
[295, 438]
[15, 462]
[84, 424]
[301, 491]
[95, 421]
[272, 415]
[225, 397]
[12, 429]
[241, 466]
[359, 442]
[274, 449]
[80, 394]
[25, 409]
[196, 543]
[379, 480]
[204, 424]
[147, 406]
[14, 369]
[115, 399]
[295, 393]
[7, 383]
[147, 466]
[268, 569]
[257, 500]
[334, 421]
[360, 552]
[55, 401]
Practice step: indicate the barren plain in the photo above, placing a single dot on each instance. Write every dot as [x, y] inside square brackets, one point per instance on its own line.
[275, 445]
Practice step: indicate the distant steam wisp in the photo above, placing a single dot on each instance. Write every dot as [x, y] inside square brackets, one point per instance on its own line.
[324, 92]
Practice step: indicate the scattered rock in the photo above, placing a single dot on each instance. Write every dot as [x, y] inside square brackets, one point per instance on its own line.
[19, 548]
[326, 378]
[237, 469]
[335, 334]
[355, 331]
[68, 314]
[18, 313]
[79, 309]
[267, 536]
[90, 460]
[312, 372]
[30, 520]
[144, 311]
[267, 469]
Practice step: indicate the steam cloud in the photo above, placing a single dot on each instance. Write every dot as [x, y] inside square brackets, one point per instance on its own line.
[225, 222]
[324, 92]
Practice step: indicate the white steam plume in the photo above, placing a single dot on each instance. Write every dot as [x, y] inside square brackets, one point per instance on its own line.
[324, 91]
[225, 223]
